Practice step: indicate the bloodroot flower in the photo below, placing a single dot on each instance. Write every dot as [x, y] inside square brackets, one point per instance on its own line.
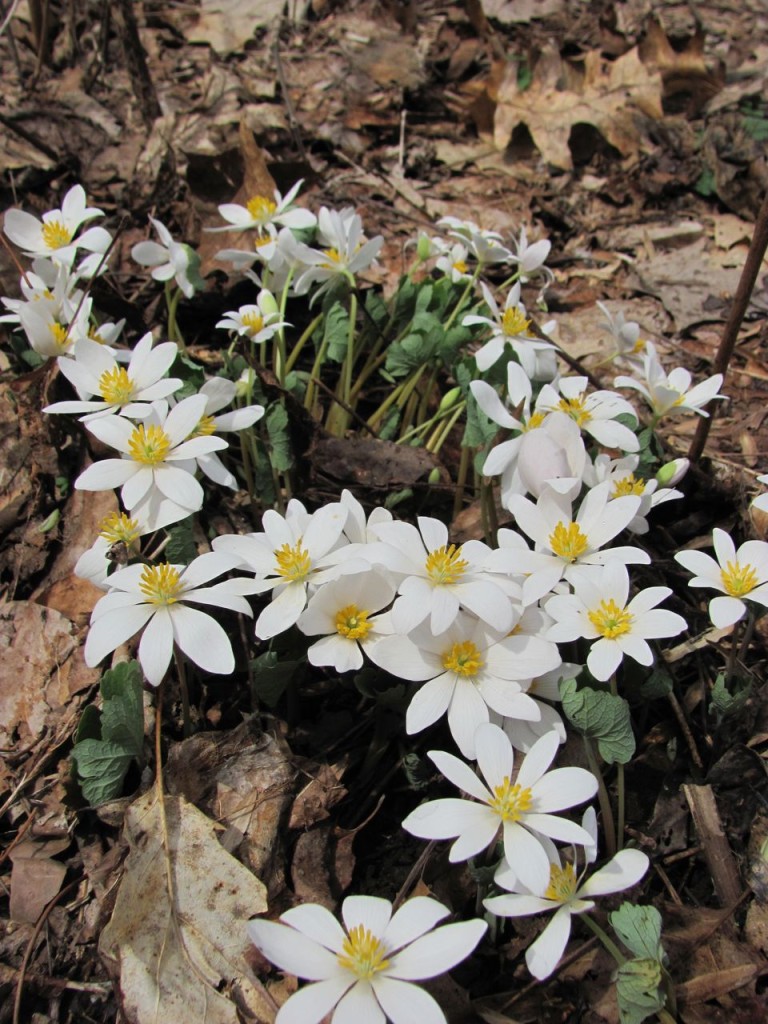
[739, 576]
[365, 968]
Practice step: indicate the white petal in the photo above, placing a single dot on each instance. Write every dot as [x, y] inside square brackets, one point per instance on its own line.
[110, 630]
[429, 703]
[544, 955]
[724, 611]
[291, 951]
[203, 640]
[156, 647]
[460, 774]
[415, 917]
[371, 912]
[311, 1004]
[359, 1004]
[317, 923]
[527, 857]
[282, 612]
[404, 1003]
[495, 756]
[563, 787]
[438, 951]
[538, 759]
[621, 872]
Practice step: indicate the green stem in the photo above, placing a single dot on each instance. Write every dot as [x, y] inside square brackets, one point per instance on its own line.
[463, 297]
[621, 790]
[439, 437]
[461, 480]
[296, 350]
[172, 299]
[279, 354]
[606, 940]
[609, 827]
[399, 396]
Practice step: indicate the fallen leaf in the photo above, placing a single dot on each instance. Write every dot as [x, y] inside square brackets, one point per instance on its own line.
[688, 83]
[35, 880]
[618, 98]
[174, 947]
[227, 25]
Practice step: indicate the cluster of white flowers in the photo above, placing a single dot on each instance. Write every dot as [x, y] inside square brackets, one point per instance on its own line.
[473, 629]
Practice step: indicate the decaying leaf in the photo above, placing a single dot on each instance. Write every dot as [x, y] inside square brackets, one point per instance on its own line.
[227, 25]
[177, 933]
[618, 98]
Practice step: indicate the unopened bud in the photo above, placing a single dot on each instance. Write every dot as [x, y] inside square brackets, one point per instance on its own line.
[449, 399]
[673, 472]
[267, 303]
[434, 476]
[424, 247]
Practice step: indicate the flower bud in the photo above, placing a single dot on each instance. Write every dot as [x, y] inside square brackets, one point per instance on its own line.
[449, 399]
[267, 303]
[672, 472]
[424, 247]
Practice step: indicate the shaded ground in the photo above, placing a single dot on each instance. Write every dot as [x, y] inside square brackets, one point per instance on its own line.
[408, 112]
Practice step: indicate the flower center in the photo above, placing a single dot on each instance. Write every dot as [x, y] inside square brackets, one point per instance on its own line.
[253, 322]
[738, 579]
[160, 584]
[362, 953]
[510, 802]
[567, 541]
[535, 420]
[261, 209]
[628, 484]
[205, 427]
[61, 336]
[445, 565]
[576, 409]
[352, 622]
[294, 562]
[56, 234]
[149, 445]
[562, 883]
[116, 387]
[93, 334]
[118, 528]
[513, 322]
[460, 266]
[334, 259]
[609, 620]
[463, 658]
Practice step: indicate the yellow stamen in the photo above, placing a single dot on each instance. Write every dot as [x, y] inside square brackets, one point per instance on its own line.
[510, 802]
[611, 621]
[253, 322]
[149, 445]
[93, 334]
[334, 259]
[294, 562]
[56, 234]
[514, 324]
[261, 208]
[535, 420]
[567, 541]
[445, 565]
[205, 427]
[628, 485]
[116, 387]
[61, 335]
[576, 409]
[118, 528]
[160, 584]
[352, 622]
[463, 659]
[460, 266]
[362, 953]
[562, 883]
[738, 579]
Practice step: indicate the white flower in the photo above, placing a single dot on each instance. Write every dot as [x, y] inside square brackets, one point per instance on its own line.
[551, 456]
[50, 327]
[344, 254]
[530, 258]
[466, 670]
[365, 967]
[627, 344]
[521, 810]
[55, 235]
[599, 610]
[668, 393]
[344, 611]
[453, 263]
[509, 327]
[739, 575]
[567, 895]
[761, 501]
[116, 528]
[620, 473]
[258, 321]
[219, 393]
[156, 455]
[563, 543]
[593, 413]
[486, 246]
[267, 214]
[438, 578]
[155, 599]
[169, 259]
[128, 390]
[293, 552]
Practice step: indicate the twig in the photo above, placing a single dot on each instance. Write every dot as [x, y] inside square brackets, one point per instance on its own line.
[752, 264]
[717, 850]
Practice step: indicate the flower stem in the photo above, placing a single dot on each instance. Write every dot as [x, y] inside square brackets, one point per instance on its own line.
[296, 350]
[172, 301]
[609, 827]
[463, 298]
[621, 791]
[606, 940]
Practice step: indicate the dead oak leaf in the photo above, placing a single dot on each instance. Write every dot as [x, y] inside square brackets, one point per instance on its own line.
[615, 97]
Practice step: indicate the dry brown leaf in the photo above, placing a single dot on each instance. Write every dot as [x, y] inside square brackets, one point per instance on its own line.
[174, 950]
[617, 98]
[227, 25]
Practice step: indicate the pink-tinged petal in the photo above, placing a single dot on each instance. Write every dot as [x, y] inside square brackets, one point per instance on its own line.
[460, 774]
[359, 1004]
[156, 646]
[527, 857]
[105, 475]
[202, 639]
[112, 629]
[429, 703]
[312, 1003]
[724, 611]
[317, 923]
[438, 951]
[371, 912]
[180, 486]
[518, 905]
[538, 759]
[404, 1003]
[415, 917]
[282, 612]
[294, 952]
[604, 658]
[495, 757]
[543, 956]
[466, 713]
[561, 829]
[563, 787]
[621, 872]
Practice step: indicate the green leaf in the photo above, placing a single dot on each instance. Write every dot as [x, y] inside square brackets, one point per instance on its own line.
[639, 928]
[122, 716]
[658, 684]
[281, 455]
[638, 989]
[190, 372]
[706, 185]
[602, 717]
[725, 702]
[101, 768]
[336, 333]
[271, 677]
[89, 726]
[181, 548]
